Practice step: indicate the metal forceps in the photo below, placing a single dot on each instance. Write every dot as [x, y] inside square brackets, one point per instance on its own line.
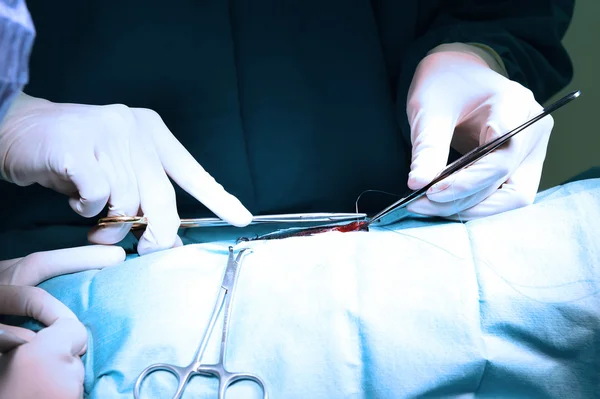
[471, 157]
[226, 378]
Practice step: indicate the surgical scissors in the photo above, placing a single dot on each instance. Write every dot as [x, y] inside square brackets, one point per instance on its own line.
[226, 378]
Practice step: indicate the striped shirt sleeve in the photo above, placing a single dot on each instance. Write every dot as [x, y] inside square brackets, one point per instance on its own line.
[17, 34]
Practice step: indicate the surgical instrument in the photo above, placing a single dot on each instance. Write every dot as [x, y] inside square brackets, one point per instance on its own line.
[360, 221]
[456, 166]
[470, 158]
[226, 378]
[139, 222]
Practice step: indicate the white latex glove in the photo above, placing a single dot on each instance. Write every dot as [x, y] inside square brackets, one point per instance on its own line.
[114, 154]
[456, 99]
[47, 366]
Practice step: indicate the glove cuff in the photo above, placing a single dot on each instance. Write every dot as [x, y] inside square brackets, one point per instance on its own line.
[485, 53]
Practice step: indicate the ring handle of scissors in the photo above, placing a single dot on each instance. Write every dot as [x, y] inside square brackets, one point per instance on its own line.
[232, 378]
[227, 379]
[183, 374]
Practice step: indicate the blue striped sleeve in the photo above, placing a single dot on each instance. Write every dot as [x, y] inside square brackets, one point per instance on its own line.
[17, 34]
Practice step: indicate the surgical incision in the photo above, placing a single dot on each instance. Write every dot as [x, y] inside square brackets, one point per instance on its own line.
[343, 228]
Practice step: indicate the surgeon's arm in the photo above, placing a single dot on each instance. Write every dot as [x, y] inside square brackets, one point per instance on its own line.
[526, 35]
[477, 70]
[16, 40]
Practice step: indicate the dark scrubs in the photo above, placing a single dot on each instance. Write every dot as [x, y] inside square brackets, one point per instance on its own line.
[292, 105]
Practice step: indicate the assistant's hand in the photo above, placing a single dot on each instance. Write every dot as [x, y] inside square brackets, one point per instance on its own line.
[109, 154]
[456, 99]
[49, 364]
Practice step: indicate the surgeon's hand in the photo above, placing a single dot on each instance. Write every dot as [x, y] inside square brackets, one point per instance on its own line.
[48, 365]
[109, 154]
[456, 99]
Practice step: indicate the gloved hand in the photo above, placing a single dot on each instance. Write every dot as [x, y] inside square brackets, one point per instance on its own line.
[114, 154]
[456, 99]
[48, 365]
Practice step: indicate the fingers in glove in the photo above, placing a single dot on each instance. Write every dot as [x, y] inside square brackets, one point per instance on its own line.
[178, 242]
[518, 191]
[40, 266]
[431, 135]
[477, 180]
[429, 207]
[51, 361]
[65, 335]
[506, 198]
[6, 264]
[53, 358]
[92, 186]
[11, 337]
[504, 116]
[32, 302]
[181, 166]
[124, 195]
[138, 235]
[474, 184]
[157, 195]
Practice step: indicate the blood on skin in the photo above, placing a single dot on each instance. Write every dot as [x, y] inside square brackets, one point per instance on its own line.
[343, 228]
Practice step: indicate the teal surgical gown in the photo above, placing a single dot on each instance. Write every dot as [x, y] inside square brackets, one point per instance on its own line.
[292, 105]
